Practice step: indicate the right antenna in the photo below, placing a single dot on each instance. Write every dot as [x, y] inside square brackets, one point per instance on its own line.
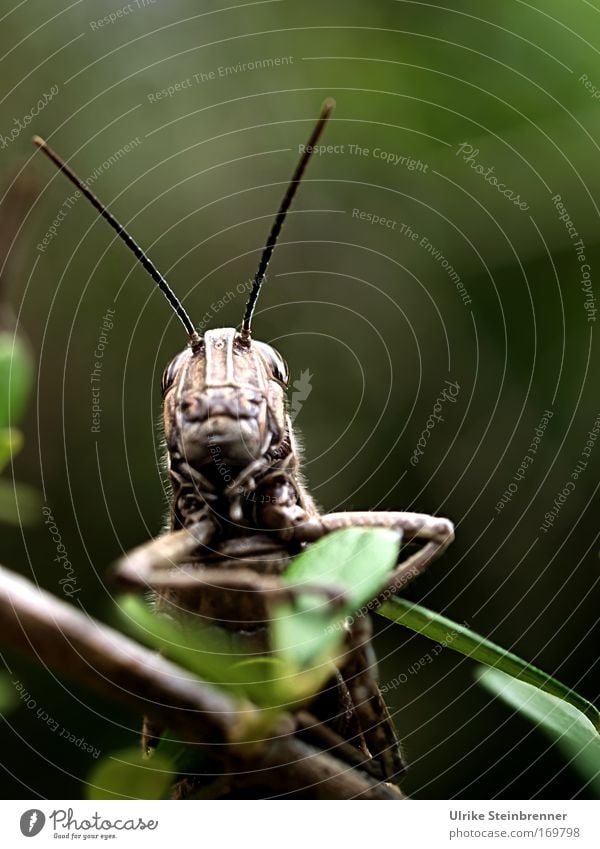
[326, 110]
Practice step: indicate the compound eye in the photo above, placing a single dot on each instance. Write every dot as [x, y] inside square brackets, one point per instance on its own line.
[279, 368]
[274, 362]
[167, 378]
[170, 373]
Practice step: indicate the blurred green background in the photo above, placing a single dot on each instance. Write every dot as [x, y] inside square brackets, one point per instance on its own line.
[376, 316]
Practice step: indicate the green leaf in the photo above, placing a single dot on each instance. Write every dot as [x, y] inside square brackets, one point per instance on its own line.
[16, 376]
[573, 732]
[306, 637]
[358, 561]
[11, 441]
[221, 657]
[273, 682]
[8, 696]
[206, 650]
[19, 504]
[467, 642]
[258, 676]
[128, 774]
[186, 758]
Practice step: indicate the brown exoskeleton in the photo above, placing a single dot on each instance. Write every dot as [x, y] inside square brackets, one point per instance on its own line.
[240, 511]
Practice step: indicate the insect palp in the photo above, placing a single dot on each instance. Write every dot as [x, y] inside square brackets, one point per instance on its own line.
[133, 246]
[326, 110]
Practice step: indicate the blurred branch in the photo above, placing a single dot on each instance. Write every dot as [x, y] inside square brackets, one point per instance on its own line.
[54, 633]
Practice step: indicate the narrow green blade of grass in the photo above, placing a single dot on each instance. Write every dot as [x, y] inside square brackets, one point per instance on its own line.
[574, 733]
[467, 642]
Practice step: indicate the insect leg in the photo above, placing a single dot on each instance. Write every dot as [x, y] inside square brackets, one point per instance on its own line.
[139, 568]
[174, 561]
[142, 567]
[359, 671]
[242, 581]
[433, 532]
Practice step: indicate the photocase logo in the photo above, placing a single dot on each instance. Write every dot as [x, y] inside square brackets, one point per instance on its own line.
[32, 822]
[303, 388]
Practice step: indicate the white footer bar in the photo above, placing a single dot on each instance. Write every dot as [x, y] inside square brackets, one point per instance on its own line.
[302, 824]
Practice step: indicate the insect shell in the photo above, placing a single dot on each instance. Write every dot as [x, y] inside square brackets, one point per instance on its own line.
[225, 418]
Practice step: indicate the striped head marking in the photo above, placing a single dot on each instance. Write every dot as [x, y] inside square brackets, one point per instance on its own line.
[224, 401]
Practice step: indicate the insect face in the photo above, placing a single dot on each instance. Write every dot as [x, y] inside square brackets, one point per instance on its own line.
[224, 401]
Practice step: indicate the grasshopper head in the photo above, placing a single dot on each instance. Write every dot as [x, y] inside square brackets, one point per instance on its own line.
[224, 402]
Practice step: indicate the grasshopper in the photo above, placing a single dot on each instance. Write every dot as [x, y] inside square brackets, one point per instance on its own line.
[240, 510]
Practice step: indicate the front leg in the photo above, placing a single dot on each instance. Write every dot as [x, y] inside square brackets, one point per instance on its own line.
[359, 670]
[435, 535]
[148, 565]
[173, 564]
[284, 514]
[140, 568]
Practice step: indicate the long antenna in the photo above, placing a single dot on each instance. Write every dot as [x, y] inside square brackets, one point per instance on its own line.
[326, 110]
[145, 260]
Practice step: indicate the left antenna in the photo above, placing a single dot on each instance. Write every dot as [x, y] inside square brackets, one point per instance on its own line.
[133, 246]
